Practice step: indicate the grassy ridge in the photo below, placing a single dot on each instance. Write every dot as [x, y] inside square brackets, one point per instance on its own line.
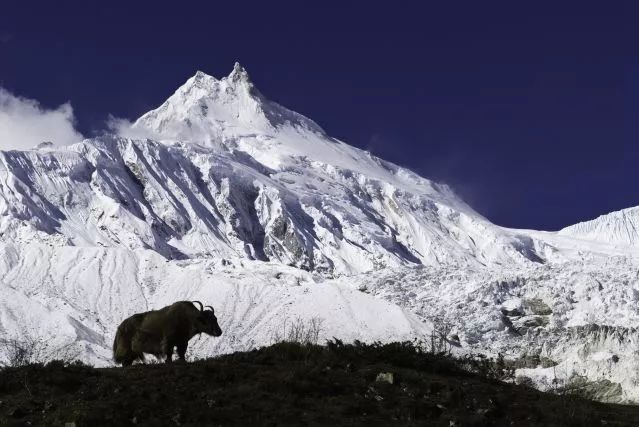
[290, 384]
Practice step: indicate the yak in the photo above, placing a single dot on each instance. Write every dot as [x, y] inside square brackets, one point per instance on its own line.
[157, 332]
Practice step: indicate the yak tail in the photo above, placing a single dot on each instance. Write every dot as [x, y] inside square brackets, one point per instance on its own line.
[122, 352]
[116, 341]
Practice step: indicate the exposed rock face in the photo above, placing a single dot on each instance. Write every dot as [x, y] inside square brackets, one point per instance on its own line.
[537, 306]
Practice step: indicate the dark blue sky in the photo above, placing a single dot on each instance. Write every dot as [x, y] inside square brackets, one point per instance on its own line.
[528, 109]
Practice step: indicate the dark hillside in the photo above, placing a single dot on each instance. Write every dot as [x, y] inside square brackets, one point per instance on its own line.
[289, 384]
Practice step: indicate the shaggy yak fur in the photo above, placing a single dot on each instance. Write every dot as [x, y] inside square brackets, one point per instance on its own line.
[157, 332]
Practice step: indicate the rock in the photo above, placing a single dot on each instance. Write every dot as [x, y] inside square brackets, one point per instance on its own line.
[47, 406]
[512, 313]
[537, 306]
[527, 322]
[485, 412]
[533, 361]
[372, 393]
[385, 377]
[70, 424]
[454, 340]
[525, 381]
[534, 321]
[177, 419]
[17, 413]
[512, 308]
[546, 362]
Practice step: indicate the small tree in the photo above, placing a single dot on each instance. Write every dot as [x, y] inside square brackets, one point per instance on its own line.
[29, 349]
[439, 343]
[299, 331]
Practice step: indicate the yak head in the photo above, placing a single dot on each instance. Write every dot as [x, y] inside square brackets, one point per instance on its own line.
[206, 322]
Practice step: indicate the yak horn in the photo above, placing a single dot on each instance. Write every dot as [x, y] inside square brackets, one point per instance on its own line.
[197, 302]
[208, 306]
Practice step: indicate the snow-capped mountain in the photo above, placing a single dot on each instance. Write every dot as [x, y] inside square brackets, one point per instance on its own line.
[206, 109]
[237, 175]
[222, 195]
[621, 227]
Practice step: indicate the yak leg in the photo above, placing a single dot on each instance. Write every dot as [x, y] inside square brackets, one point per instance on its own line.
[167, 348]
[181, 350]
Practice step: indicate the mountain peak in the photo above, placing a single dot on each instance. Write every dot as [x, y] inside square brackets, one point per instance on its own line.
[204, 107]
[239, 73]
[200, 75]
[200, 79]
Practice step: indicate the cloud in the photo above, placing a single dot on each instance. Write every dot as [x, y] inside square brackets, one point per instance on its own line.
[24, 123]
[125, 129]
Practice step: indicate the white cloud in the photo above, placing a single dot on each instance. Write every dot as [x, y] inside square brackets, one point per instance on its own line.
[134, 130]
[24, 123]
[125, 129]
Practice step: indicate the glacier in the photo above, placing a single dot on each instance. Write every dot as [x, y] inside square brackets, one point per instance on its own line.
[224, 196]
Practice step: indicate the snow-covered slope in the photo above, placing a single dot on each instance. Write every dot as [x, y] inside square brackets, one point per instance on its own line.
[621, 227]
[63, 295]
[222, 195]
[560, 321]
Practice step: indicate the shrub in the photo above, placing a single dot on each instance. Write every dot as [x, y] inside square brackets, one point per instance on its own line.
[299, 331]
[29, 349]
